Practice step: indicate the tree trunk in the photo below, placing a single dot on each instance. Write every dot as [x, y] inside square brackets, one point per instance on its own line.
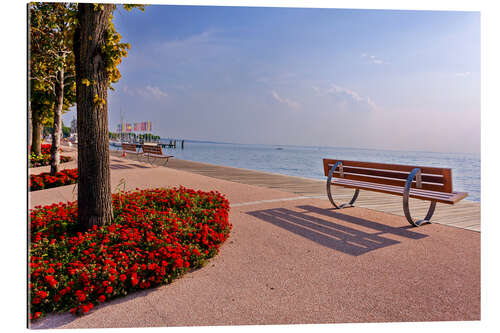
[30, 127]
[36, 143]
[57, 127]
[94, 187]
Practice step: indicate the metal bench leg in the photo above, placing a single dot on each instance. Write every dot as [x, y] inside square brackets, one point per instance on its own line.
[406, 196]
[329, 191]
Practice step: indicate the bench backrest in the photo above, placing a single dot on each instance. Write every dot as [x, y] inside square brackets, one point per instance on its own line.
[152, 149]
[434, 179]
[129, 146]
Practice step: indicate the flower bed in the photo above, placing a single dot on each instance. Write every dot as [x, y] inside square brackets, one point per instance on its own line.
[44, 158]
[45, 149]
[45, 180]
[155, 236]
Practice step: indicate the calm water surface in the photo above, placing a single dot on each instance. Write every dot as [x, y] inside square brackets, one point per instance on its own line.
[307, 161]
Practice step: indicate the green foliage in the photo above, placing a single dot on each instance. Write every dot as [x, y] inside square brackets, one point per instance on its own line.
[66, 131]
[129, 7]
[52, 27]
[50, 50]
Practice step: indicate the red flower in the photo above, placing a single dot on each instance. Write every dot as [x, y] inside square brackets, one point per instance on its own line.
[80, 295]
[134, 279]
[50, 279]
[41, 294]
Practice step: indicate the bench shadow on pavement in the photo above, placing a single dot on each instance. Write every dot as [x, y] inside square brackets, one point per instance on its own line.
[349, 235]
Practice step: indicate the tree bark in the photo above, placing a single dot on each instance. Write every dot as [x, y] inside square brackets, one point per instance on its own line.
[57, 127]
[36, 143]
[94, 187]
[30, 127]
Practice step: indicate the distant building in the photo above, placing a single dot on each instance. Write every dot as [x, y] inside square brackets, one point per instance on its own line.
[74, 126]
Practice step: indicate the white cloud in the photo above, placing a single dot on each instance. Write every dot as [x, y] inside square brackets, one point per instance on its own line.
[371, 59]
[156, 92]
[201, 38]
[146, 92]
[288, 102]
[346, 99]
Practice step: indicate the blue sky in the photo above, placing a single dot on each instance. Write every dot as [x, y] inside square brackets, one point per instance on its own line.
[405, 80]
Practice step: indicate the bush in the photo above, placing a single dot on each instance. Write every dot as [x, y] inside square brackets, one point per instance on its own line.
[155, 236]
[45, 180]
[44, 157]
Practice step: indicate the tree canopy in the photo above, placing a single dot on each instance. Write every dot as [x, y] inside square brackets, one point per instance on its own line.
[52, 27]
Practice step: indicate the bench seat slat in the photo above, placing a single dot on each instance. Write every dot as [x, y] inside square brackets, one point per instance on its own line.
[386, 166]
[390, 181]
[448, 198]
[387, 173]
[130, 148]
[425, 180]
[433, 179]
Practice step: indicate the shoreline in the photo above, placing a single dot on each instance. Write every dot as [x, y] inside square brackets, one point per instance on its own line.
[237, 169]
[465, 214]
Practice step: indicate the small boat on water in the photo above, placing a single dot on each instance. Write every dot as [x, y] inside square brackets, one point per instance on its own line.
[115, 143]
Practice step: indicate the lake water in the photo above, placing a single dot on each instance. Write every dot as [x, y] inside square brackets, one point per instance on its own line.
[307, 161]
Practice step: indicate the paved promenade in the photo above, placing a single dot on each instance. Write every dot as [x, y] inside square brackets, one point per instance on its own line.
[292, 259]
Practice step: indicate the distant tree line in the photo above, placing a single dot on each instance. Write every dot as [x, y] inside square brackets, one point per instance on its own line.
[66, 131]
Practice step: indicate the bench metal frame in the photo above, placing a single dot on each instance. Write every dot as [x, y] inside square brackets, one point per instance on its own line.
[415, 173]
[155, 157]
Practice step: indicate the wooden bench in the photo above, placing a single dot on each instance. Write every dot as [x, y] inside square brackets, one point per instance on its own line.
[153, 152]
[131, 148]
[425, 183]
